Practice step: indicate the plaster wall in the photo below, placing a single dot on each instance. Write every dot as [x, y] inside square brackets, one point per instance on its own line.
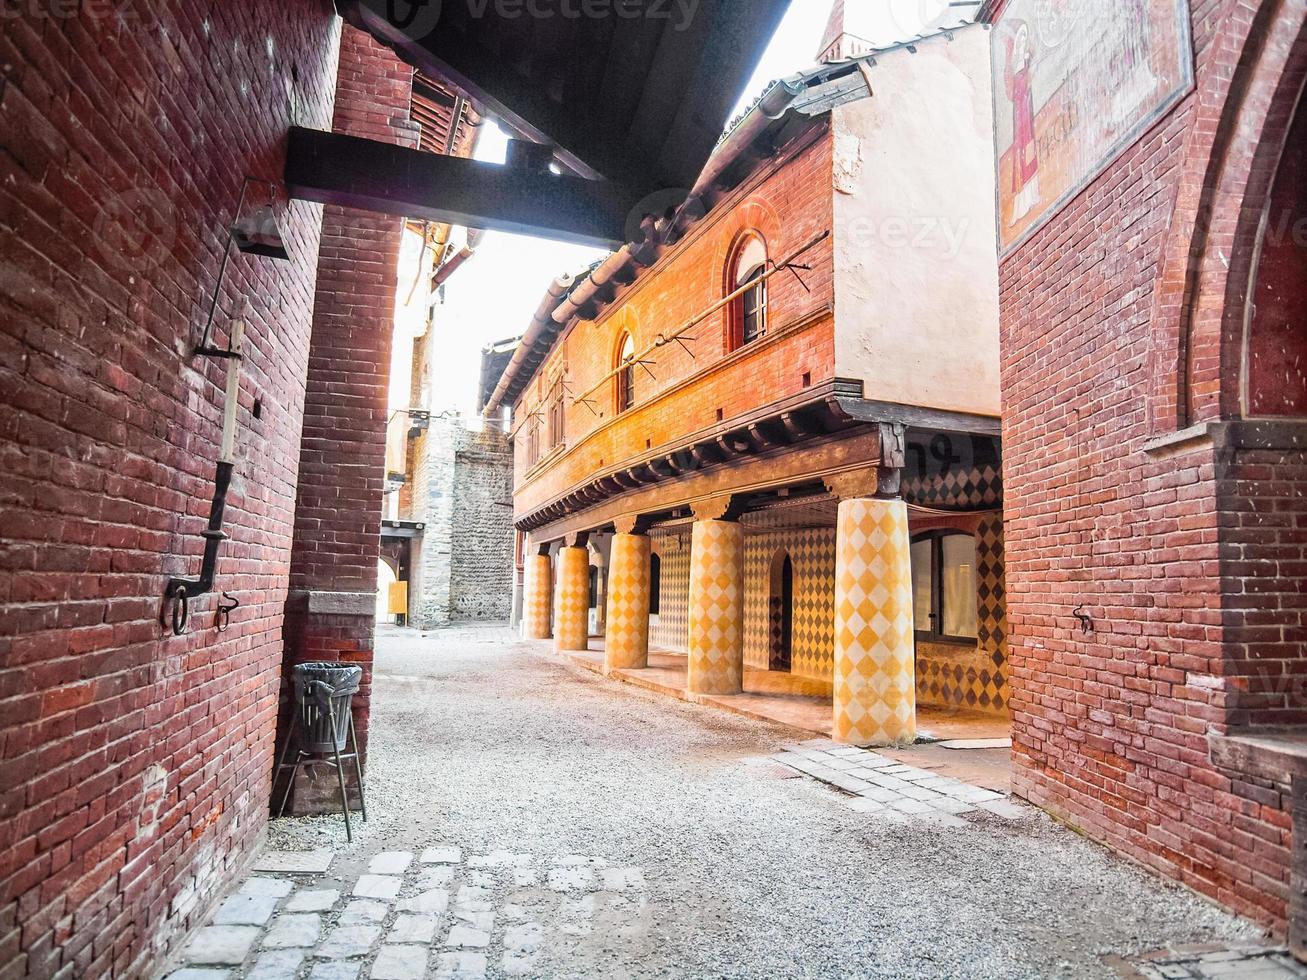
[916, 277]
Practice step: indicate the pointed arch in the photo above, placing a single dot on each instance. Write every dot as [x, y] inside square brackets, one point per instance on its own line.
[1229, 161]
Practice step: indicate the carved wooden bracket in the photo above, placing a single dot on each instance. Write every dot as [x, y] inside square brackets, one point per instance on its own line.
[723, 508]
[631, 524]
[854, 483]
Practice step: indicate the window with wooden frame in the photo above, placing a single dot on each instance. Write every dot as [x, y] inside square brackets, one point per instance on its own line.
[748, 311]
[944, 586]
[625, 363]
[532, 441]
[557, 418]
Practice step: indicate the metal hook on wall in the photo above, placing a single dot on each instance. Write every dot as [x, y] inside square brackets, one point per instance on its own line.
[222, 614]
[1086, 621]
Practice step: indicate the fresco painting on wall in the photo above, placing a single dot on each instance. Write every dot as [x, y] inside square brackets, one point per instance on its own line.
[1075, 82]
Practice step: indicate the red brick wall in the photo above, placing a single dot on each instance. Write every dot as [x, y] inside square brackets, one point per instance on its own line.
[1108, 346]
[1277, 358]
[789, 202]
[1263, 520]
[134, 764]
[343, 451]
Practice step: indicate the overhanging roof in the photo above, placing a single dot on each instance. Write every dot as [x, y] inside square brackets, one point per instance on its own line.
[785, 108]
[631, 91]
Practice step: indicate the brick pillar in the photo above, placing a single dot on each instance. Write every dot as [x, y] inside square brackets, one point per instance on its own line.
[875, 693]
[333, 571]
[571, 606]
[716, 647]
[539, 593]
[626, 640]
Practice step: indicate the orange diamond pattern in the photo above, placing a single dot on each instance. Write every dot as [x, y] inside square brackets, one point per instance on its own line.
[626, 637]
[716, 608]
[536, 596]
[572, 600]
[875, 696]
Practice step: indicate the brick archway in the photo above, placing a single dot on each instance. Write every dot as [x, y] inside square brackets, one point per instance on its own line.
[1232, 153]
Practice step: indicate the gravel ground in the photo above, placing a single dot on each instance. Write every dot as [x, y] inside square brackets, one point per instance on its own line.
[487, 743]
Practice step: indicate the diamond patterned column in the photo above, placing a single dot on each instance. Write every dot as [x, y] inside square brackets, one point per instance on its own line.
[875, 694]
[571, 606]
[716, 608]
[626, 642]
[537, 594]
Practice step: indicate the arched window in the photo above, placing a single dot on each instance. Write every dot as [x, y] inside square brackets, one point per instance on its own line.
[626, 373]
[749, 310]
[944, 584]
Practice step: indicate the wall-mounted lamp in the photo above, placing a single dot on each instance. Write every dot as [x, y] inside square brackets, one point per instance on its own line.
[256, 233]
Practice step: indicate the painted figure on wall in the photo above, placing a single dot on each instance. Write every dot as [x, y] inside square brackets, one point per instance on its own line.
[1075, 83]
[1025, 164]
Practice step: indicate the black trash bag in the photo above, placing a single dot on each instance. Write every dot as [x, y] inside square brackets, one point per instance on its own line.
[323, 693]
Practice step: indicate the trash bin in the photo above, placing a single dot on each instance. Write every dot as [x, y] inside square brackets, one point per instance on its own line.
[323, 693]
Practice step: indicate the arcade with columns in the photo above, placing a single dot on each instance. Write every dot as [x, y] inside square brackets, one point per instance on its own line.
[799, 578]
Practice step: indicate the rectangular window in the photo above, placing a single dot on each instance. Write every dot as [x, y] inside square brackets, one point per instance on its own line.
[755, 312]
[532, 441]
[556, 423]
[958, 585]
[944, 586]
[923, 570]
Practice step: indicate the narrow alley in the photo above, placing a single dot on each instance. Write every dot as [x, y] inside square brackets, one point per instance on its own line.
[528, 818]
[739, 488]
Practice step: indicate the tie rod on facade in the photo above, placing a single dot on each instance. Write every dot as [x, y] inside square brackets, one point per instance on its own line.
[678, 335]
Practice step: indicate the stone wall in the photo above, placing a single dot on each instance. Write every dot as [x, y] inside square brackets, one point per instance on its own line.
[462, 490]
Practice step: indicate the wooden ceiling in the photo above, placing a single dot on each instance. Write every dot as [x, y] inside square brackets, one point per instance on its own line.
[635, 92]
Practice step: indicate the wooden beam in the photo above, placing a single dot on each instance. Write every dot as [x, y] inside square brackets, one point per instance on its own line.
[765, 435]
[331, 168]
[655, 131]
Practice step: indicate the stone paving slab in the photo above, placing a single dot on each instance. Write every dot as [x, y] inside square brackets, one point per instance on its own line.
[893, 789]
[390, 863]
[221, 945]
[313, 900]
[299, 862]
[385, 887]
[245, 910]
[277, 964]
[276, 887]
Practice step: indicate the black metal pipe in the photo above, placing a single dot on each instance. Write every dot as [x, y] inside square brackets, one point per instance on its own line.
[214, 535]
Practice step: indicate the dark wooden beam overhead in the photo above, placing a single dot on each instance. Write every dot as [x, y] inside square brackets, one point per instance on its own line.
[331, 168]
[633, 91]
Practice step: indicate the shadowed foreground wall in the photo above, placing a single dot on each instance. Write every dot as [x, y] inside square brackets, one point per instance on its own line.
[135, 764]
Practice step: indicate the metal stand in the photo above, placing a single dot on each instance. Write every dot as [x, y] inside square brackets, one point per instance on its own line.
[303, 758]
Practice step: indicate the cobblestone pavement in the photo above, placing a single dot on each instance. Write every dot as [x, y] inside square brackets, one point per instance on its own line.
[528, 818]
